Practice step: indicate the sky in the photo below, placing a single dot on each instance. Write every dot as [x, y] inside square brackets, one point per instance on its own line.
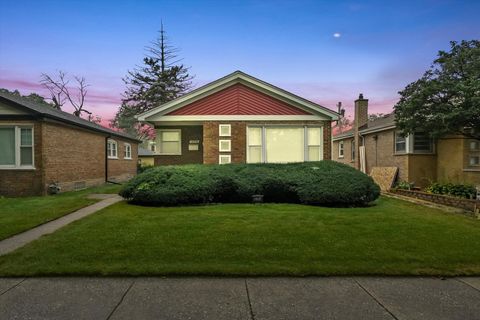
[324, 51]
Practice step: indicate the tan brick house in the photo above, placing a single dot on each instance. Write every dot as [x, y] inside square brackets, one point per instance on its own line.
[41, 147]
[419, 159]
[240, 119]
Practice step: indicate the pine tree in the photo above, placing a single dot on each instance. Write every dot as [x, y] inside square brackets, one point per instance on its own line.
[160, 79]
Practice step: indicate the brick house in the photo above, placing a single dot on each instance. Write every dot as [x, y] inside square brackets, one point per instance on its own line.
[419, 159]
[41, 146]
[240, 119]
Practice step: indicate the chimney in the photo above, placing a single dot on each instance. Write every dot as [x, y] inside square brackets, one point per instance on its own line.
[361, 112]
[361, 119]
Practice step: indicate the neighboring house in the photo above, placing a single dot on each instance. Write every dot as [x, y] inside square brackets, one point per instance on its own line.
[145, 157]
[419, 158]
[240, 119]
[41, 147]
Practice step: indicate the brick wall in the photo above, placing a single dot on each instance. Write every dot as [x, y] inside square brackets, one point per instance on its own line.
[239, 136]
[72, 156]
[187, 156]
[464, 204]
[379, 151]
[67, 155]
[347, 152]
[122, 169]
[238, 141]
[25, 182]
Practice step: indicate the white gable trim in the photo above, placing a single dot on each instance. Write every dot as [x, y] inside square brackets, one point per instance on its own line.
[229, 80]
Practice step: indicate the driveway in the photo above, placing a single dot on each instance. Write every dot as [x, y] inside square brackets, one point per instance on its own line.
[240, 298]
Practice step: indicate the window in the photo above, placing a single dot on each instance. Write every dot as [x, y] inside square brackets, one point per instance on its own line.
[16, 146]
[224, 159]
[422, 143]
[473, 153]
[314, 136]
[284, 144]
[169, 141]
[340, 149]
[400, 143]
[112, 150]
[353, 150]
[254, 152]
[224, 130]
[281, 144]
[224, 145]
[128, 151]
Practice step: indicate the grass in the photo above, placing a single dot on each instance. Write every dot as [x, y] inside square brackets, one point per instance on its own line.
[391, 238]
[20, 214]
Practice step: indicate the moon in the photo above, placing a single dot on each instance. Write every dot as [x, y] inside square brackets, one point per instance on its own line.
[337, 35]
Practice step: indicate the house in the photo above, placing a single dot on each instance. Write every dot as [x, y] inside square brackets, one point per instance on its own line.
[419, 158]
[42, 148]
[240, 119]
[145, 157]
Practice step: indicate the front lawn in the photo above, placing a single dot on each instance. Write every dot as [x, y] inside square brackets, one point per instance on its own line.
[391, 238]
[21, 214]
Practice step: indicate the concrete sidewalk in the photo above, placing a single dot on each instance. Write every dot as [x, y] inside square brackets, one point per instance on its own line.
[21, 239]
[240, 298]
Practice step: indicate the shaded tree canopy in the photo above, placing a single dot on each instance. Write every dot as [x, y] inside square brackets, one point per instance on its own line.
[160, 79]
[446, 99]
[33, 97]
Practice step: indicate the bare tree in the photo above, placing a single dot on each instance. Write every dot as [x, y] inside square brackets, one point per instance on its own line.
[61, 92]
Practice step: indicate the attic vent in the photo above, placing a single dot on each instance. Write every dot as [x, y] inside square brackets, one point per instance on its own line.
[79, 185]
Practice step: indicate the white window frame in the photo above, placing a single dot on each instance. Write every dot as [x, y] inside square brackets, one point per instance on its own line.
[305, 140]
[341, 149]
[227, 156]
[228, 149]
[160, 152]
[220, 126]
[353, 151]
[307, 144]
[407, 144]
[109, 149]
[127, 151]
[18, 138]
[411, 146]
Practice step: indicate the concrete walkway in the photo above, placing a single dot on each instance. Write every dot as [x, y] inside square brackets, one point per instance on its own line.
[241, 298]
[21, 239]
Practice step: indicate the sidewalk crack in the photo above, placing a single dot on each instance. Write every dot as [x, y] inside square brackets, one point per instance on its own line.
[376, 300]
[467, 284]
[252, 315]
[121, 300]
[16, 285]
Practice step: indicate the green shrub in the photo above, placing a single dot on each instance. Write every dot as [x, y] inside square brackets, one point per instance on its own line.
[456, 190]
[315, 183]
[404, 185]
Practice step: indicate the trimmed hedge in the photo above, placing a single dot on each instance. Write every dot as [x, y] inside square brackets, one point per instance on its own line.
[315, 183]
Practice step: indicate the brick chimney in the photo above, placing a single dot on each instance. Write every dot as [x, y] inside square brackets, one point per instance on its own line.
[361, 119]
[361, 111]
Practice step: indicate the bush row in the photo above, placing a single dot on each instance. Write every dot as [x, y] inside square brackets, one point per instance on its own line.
[457, 190]
[315, 183]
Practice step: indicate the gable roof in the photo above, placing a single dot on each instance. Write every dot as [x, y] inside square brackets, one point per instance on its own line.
[59, 115]
[229, 80]
[384, 123]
